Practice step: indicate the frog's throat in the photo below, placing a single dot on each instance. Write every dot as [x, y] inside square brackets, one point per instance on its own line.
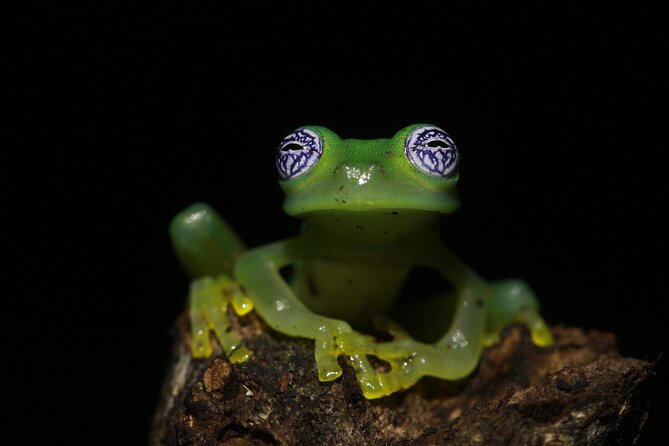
[378, 226]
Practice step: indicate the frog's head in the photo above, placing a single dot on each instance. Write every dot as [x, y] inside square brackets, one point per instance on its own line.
[412, 173]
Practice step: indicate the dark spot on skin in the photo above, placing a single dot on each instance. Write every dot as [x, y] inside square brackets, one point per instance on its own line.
[359, 228]
[341, 187]
[343, 201]
[390, 213]
[337, 200]
[337, 219]
[394, 212]
[385, 232]
[349, 281]
[388, 152]
[479, 302]
[228, 329]
[381, 169]
[242, 289]
[312, 287]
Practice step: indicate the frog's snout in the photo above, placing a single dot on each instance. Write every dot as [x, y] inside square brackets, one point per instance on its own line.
[358, 174]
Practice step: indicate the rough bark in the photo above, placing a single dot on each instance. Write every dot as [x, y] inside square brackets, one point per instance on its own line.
[579, 392]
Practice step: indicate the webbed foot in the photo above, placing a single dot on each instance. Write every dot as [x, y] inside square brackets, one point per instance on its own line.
[404, 356]
[208, 301]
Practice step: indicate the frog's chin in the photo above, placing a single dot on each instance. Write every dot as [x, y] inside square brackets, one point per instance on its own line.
[445, 204]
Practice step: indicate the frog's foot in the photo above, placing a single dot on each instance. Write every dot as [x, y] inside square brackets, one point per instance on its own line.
[409, 360]
[337, 338]
[208, 301]
[479, 319]
[514, 301]
[400, 354]
[376, 384]
[454, 356]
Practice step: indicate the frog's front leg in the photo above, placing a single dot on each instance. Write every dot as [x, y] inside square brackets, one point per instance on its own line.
[208, 248]
[481, 311]
[277, 304]
[454, 356]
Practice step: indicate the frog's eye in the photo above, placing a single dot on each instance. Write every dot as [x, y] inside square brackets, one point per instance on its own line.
[432, 151]
[298, 153]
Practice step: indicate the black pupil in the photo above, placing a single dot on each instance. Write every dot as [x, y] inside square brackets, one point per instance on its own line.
[291, 146]
[437, 143]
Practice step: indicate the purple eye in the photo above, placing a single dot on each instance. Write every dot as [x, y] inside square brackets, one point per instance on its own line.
[298, 153]
[432, 151]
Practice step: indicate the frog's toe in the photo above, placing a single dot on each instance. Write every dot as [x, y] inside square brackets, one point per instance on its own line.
[234, 295]
[200, 344]
[377, 384]
[398, 354]
[539, 330]
[328, 368]
[219, 323]
[208, 301]
[372, 383]
[328, 346]
[490, 339]
[239, 354]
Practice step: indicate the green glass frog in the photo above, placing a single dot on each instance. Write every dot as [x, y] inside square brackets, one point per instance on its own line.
[371, 212]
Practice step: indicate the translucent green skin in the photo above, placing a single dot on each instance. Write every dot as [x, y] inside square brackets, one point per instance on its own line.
[370, 216]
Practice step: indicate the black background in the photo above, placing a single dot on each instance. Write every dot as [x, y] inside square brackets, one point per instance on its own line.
[123, 115]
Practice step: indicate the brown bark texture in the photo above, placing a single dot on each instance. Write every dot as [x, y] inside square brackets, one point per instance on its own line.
[578, 392]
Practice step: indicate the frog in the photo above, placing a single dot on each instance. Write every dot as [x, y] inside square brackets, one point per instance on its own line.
[371, 212]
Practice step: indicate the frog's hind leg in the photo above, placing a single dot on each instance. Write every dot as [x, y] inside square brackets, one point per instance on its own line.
[513, 301]
[208, 249]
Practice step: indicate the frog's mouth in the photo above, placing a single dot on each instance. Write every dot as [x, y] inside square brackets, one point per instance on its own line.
[392, 205]
[372, 220]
